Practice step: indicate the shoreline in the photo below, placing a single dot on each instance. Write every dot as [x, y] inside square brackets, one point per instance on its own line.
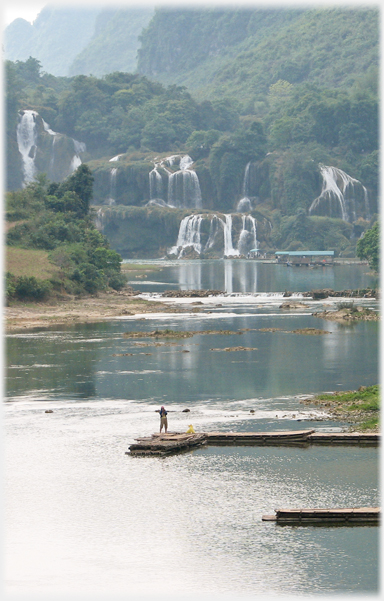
[349, 407]
[68, 312]
[104, 306]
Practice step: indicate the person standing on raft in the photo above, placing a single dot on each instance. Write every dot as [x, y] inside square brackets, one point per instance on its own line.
[163, 419]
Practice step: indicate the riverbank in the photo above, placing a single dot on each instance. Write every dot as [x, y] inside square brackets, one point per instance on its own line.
[68, 310]
[72, 310]
[361, 408]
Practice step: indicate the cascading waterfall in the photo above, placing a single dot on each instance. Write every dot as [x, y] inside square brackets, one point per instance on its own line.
[190, 235]
[366, 204]
[55, 138]
[112, 186]
[155, 185]
[247, 236]
[214, 228]
[339, 195]
[78, 148]
[229, 251]
[244, 204]
[112, 181]
[31, 133]
[183, 185]
[26, 140]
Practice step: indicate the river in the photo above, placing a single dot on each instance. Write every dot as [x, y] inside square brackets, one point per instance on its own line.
[84, 518]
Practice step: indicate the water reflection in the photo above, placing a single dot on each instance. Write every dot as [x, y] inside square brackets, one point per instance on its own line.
[249, 276]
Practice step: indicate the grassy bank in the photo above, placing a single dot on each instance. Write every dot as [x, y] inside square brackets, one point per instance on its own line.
[29, 262]
[360, 407]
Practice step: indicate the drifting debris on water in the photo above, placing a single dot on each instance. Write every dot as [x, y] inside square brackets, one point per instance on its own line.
[234, 348]
[167, 333]
[310, 331]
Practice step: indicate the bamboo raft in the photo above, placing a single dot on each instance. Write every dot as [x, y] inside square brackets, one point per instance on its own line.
[166, 444]
[282, 437]
[348, 516]
[346, 438]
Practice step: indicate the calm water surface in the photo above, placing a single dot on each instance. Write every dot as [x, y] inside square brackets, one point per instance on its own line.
[245, 276]
[85, 518]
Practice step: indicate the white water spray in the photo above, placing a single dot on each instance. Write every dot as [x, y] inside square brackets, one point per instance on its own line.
[26, 140]
[339, 194]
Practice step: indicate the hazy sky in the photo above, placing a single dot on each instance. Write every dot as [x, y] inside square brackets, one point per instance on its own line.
[25, 10]
[12, 9]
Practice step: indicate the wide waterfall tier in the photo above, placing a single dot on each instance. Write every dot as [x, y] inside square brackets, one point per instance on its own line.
[215, 235]
[341, 196]
[44, 150]
[178, 189]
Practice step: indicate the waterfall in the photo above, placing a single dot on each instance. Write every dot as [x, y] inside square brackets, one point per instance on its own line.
[112, 186]
[155, 184]
[247, 238]
[189, 235]
[183, 185]
[78, 147]
[26, 140]
[366, 204]
[229, 251]
[99, 221]
[244, 204]
[185, 162]
[339, 195]
[216, 226]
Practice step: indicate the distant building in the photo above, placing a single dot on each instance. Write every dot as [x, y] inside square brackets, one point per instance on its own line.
[305, 257]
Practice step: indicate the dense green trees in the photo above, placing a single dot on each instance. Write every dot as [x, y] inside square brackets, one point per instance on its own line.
[368, 247]
[57, 218]
[118, 112]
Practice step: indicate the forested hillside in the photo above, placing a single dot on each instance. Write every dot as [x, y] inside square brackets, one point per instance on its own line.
[281, 139]
[242, 52]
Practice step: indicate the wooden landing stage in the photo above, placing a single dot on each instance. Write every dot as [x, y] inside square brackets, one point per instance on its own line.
[166, 444]
[349, 516]
[176, 442]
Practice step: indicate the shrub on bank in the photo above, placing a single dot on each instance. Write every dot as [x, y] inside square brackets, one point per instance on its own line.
[27, 288]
